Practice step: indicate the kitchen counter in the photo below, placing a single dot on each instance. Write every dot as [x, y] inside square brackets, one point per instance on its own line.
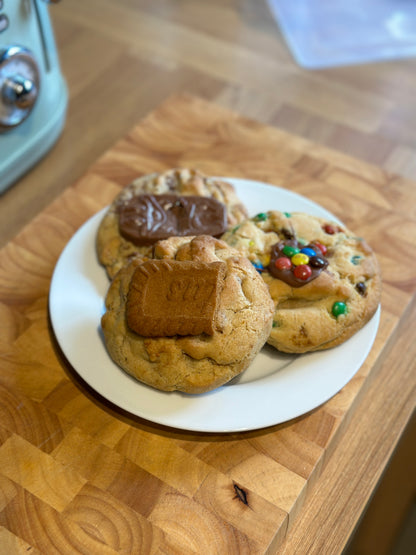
[86, 473]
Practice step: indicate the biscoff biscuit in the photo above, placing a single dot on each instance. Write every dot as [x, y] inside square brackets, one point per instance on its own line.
[161, 205]
[171, 297]
[241, 319]
[324, 280]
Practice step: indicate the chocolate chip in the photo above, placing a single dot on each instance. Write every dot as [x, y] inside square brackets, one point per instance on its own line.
[361, 288]
[287, 234]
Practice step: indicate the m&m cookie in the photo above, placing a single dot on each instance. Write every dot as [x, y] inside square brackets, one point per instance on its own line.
[324, 280]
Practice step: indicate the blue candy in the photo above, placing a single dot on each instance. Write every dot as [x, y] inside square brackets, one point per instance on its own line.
[308, 251]
[259, 266]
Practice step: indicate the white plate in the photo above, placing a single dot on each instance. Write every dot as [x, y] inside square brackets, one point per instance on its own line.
[275, 388]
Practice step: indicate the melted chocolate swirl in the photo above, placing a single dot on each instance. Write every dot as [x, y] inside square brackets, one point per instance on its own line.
[316, 263]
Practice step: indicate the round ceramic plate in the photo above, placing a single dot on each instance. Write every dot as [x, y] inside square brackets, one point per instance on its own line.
[275, 388]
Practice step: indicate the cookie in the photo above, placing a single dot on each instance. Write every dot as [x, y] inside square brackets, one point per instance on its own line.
[325, 282]
[179, 202]
[190, 318]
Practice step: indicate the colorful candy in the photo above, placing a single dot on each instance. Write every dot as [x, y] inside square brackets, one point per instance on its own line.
[308, 251]
[299, 259]
[339, 308]
[290, 251]
[259, 266]
[317, 262]
[302, 272]
[261, 217]
[321, 247]
[283, 263]
[296, 264]
[330, 229]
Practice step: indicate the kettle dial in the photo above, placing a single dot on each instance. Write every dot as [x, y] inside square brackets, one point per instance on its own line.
[19, 85]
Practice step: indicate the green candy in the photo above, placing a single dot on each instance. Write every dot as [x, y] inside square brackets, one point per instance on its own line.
[339, 308]
[290, 251]
[261, 217]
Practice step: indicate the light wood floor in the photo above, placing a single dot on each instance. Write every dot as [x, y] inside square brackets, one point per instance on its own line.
[122, 58]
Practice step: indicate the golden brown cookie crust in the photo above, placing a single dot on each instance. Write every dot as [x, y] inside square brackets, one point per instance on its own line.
[199, 363]
[304, 320]
[114, 250]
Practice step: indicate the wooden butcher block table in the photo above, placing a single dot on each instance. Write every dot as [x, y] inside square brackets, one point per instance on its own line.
[80, 475]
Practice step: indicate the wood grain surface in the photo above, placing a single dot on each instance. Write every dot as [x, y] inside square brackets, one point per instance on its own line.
[78, 475]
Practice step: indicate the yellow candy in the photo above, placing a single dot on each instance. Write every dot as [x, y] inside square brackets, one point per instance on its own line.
[299, 259]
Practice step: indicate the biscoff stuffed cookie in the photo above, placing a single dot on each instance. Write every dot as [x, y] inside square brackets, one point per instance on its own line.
[325, 282]
[178, 202]
[190, 319]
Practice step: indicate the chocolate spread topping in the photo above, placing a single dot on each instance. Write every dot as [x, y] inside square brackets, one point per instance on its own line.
[316, 263]
[145, 219]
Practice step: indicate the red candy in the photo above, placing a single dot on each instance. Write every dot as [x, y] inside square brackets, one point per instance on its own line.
[321, 247]
[283, 263]
[330, 229]
[302, 272]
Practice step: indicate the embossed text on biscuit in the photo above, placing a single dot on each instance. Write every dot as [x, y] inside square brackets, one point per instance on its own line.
[170, 297]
